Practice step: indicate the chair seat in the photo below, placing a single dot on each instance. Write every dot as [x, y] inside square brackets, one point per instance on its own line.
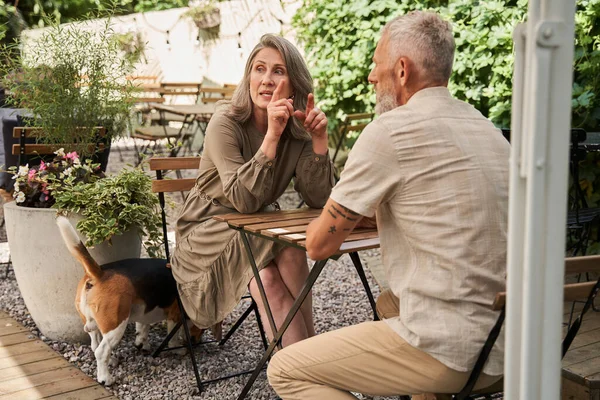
[159, 132]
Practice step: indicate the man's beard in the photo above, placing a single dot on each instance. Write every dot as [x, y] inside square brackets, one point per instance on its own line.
[386, 101]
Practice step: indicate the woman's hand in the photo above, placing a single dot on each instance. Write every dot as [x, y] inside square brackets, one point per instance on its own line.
[315, 123]
[279, 111]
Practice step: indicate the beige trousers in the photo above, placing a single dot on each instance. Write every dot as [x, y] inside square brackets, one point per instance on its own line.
[368, 358]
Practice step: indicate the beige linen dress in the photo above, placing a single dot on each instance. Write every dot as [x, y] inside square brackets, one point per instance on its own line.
[210, 263]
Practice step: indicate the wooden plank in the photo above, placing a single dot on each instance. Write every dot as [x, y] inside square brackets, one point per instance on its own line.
[581, 354]
[574, 391]
[279, 224]
[354, 117]
[16, 338]
[51, 148]
[148, 100]
[182, 84]
[273, 220]
[23, 359]
[51, 388]
[96, 392]
[276, 232]
[355, 235]
[4, 315]
[31, 131]
[586, 367]
[43, 378]
[172, 185]
[293, 237]
[238, 216]
[583, 339]
[21, 348]
[172, 163]
[573, 291]
[578, 265]
[8, 328]
[35, 367]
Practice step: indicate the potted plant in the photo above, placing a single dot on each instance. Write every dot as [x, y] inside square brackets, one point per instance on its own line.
[206, 15]
[132, 45]
[70, 79]
[112, 214]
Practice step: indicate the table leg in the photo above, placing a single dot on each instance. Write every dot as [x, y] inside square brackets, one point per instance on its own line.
[363, 278]
[310, 281]
[261, 288]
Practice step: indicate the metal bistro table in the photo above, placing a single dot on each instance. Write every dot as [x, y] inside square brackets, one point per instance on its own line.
[289, 228]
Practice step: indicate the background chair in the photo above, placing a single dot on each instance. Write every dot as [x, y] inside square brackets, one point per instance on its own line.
[161, 186]
[351, 123]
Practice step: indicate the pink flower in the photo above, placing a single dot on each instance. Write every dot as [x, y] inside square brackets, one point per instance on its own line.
[72, 156]
[43, 166]
[31, 174]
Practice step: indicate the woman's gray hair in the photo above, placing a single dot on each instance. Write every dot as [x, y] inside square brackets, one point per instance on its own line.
[240, 106]
[426, 39]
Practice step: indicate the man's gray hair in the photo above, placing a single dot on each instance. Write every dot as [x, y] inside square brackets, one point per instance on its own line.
[424, 38]
[240, 106]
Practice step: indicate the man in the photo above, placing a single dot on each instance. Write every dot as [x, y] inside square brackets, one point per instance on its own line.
[435, 171]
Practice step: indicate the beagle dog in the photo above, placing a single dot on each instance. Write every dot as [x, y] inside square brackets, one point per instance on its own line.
[141, 290]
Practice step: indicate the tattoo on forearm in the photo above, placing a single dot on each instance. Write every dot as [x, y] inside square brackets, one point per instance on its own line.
[332, 229]
[332, 214]
[348, 217]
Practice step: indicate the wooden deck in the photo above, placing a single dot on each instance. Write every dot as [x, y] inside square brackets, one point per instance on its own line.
[29, 369]
[581, 365]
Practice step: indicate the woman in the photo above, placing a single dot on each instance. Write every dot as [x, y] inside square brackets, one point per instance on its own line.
[269, 133]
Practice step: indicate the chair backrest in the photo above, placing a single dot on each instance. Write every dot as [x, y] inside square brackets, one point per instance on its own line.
[351, 123]
[179, 184]
[214, 94]
[24, 149]
[585, 292]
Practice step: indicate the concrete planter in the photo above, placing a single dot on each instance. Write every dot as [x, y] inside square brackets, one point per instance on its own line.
[48, 274]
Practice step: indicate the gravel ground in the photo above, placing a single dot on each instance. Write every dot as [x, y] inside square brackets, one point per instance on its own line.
[339, 300]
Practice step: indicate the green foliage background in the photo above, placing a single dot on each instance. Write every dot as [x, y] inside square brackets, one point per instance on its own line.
[340, 36]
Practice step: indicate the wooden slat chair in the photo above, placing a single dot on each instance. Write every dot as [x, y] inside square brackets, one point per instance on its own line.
[585, 292]
[161, 165]
[176, 138]
[214, 94]
[351, 123]
[25, 150]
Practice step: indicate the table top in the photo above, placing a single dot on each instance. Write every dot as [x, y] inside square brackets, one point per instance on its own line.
[289, 227]
[185, 109]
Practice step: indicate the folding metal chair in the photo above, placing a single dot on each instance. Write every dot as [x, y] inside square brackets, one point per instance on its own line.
[586, 292]
[162, 186]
